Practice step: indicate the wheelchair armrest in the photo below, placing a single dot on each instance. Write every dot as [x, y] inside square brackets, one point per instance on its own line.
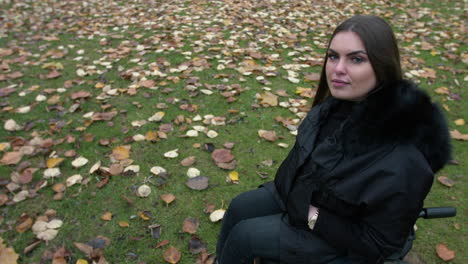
[438, 212]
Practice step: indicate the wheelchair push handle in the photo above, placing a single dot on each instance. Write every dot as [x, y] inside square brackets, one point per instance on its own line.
[438, 212]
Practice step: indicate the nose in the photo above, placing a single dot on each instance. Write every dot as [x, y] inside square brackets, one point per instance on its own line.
[340, 67]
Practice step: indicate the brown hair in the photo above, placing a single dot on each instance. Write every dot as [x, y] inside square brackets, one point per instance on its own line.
[381, 48]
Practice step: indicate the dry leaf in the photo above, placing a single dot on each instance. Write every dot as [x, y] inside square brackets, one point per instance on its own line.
[7, 255]
[172, 154]
[189, 161]
[268, 135]
[86, 249]
[107, 216]
[143, 191]
[217, 215]
[197, 183]
[222, 156]
[48, 235]
[172, 255]
[3, 199]
[124, 224]
[168, 198]
[458, 136]
[24, 225]
[459, 122]
[72, 180]
[234, 176]
[446, 181]
[193, 172]
[196, 245]
[145, 215]
[444, 252]
[190, 225]
[53, 162]
[121, 152]
[11, 158]
[156, 170]
[268, 98]
[79, 162]
[51, 173]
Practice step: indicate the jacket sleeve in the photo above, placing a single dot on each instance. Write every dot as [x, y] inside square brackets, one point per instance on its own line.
[387, 218]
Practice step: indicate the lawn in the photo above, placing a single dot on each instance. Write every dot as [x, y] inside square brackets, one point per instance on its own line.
[194, 99]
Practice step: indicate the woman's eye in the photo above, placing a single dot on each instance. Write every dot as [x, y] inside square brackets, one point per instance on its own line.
[357, 59]
[332, 57]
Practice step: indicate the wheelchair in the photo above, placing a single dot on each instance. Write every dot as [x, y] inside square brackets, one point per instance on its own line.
[396, 258]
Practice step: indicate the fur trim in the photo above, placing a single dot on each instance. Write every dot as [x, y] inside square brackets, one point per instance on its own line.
[402, 112]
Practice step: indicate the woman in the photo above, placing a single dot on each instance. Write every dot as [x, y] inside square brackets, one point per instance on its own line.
[364, 159]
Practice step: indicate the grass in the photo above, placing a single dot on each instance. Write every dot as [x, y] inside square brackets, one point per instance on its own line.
[83, 205]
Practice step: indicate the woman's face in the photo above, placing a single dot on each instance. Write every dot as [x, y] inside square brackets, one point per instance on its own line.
[350, 75]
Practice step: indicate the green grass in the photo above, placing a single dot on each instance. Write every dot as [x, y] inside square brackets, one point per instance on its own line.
[83, 205]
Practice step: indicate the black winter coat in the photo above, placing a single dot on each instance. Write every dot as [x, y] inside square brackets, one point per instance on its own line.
[376, 177]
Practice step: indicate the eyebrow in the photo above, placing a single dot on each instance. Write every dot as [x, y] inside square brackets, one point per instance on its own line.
[351, 53]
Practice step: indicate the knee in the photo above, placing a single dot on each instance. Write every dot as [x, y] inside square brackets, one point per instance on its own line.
[238, 204]
[240, 233]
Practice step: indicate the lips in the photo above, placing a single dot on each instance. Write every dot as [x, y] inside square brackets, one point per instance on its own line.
[339, 83]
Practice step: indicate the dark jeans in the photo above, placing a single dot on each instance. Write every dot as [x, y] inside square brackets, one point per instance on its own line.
[251, 228]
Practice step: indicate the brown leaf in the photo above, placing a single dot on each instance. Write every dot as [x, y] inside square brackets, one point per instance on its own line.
[172, 255]
[189, 161]
[85, 248]
[27, 175]
[196, 245]
[222, 156]
[444, 252]
[162, 243]
[103, 182]
[3, 199]
[190, 225]
[6, 91]
[209, 208]
[197, 183]
[107, 116]
[59, 187]
[53, 74]
[7, 255]
[446, 181]
[312, 77]
[80, 94]
[11, 158]
[24, 225]
[458, 136]
[227, 165]
[268, 135]
[31, 247]
[116, 169]
[168, 198]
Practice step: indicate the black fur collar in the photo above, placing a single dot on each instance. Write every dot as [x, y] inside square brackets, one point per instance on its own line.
[401, 112]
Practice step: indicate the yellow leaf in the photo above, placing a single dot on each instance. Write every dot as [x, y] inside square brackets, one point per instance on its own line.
[151, 136]
[7, 255]
[442, 90]
[82, 261]
[121, 152]
[143, 216]
[53, 162]
[269, 99]
[107, 216]
[99, 85]
[460, 122]
[124, 224]
[234, 176]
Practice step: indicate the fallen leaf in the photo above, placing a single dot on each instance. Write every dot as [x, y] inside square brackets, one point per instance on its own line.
[107, 216]
[167, 198]
[197, 183]
[190, 225]
[269, 99]
[59, 187]
[444, 252]
[446, 181]
[458, 136]
[196, 245]
[222, 156]
[121, 152]
[48, 235]
[460, 122]
[172, 255]
[442, 90]
[172, 154]
[193, 172]
[143, 191]
[116, 169]
[24, 225]
[217, 215]
[157, 170]
[74, 179]
[53, 162]
[11, 158]
[155, 230]
[7, 255]
[145, 215]
[189, 161]
[124, 224]
[3, 199]
[268, 135]
[234, 176]
[79, 162]
[162, 243]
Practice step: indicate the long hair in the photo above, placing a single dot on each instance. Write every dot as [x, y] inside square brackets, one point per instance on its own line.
[381, 47]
